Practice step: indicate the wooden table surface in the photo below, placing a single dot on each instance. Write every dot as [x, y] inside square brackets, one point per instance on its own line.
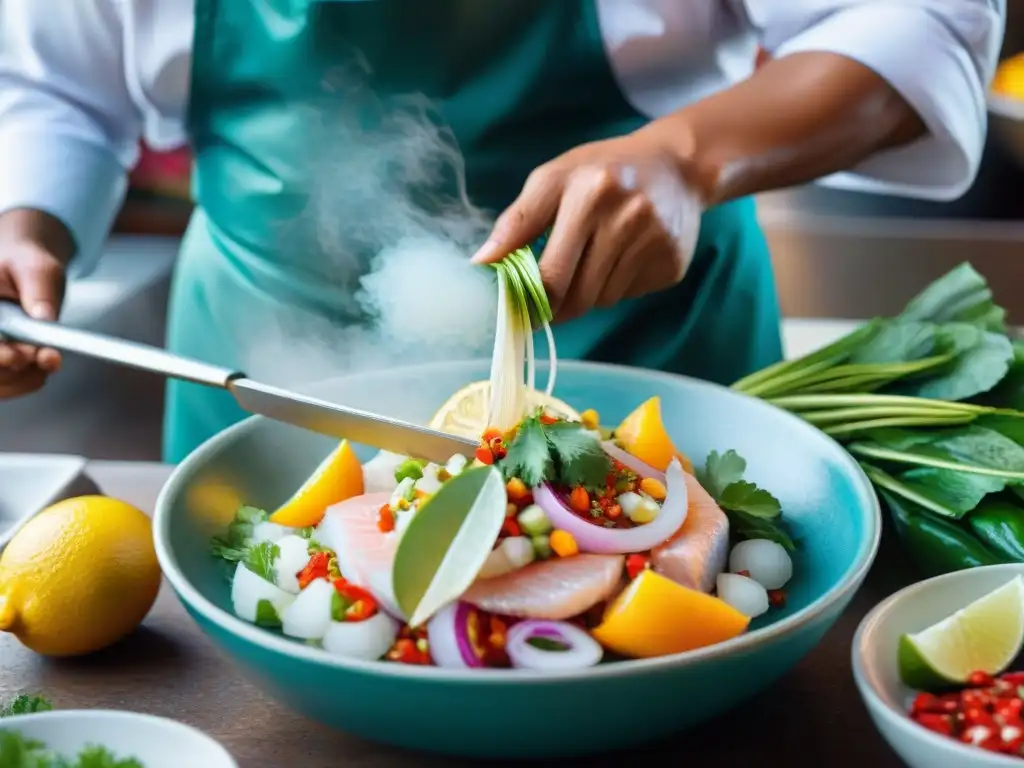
[170, 668]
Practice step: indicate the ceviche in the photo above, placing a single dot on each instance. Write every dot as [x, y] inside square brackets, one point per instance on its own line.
[560, 544]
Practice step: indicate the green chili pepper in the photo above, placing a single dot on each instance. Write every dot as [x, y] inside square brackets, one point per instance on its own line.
[409, 468]
[937, 546]
[999, 524]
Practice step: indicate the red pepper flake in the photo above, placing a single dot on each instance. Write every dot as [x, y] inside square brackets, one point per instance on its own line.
[510, 527]
[980, 680]
[484, 455]
[361, 604]
[317, 568]
[385, 519]
[776, 598]
[493, 433]
[636, 564]
[579, 500]
[547, 419]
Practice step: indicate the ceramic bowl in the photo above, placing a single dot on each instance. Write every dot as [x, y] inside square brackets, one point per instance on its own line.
[499, 713]
[156, 742]
[874, 664]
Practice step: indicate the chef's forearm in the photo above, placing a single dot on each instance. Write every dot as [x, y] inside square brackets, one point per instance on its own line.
[39, 228]
[796, 119]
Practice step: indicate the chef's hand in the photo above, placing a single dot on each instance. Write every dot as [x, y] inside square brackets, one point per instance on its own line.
[625, 223]
[32, 275]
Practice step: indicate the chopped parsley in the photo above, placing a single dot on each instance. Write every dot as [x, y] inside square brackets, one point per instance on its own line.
[753, 512]
[266, 615]
[25, 705]
[235, 543]
[260, 558]
[563, 452]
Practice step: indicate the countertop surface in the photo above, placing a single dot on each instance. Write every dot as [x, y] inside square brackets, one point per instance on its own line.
[170, 668]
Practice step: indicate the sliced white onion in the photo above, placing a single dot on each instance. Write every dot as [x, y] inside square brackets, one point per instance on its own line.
[379, 472]
[293, 558]
[309, 615]
[580, 649]
[449, 639]
[629, 461]
[513, 553]
[367, 640]
[767, 562]
[600, 540]
[269, 532]
[745, 595]
[248, 589]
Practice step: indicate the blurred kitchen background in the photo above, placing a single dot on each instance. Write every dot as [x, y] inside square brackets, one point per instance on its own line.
[837, 255]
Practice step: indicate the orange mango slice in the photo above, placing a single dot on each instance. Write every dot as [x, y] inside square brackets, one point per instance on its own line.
[643, 435]
[339, 477]
[655, 616]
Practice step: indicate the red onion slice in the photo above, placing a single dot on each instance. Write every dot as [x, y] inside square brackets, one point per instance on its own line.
[616, 541]
[630, 461]
[577, 649]
[449, 638]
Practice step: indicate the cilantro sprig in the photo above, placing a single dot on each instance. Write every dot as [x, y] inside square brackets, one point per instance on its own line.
[753, 512]
[234, 544]
[562, 452]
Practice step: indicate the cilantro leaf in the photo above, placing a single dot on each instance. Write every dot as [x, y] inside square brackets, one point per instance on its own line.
[742, 496]
[528, 456]
[19, 751]
[753, 512]
[260, 559]
[25, 705]
[266, 615]
[722, 470]
[234, 543]
[579, 457]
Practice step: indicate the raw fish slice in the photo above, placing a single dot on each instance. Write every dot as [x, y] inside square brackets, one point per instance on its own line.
[700, 551]
[559, 588]
[365, 554]
[379, 472]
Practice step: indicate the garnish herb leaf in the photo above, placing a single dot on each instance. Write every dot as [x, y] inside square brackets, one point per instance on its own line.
[528, 456]
[753, 512]
[260, 558]
[25, 704]
[547, 644]
[266, 615]
[234, 543]
[578, 456]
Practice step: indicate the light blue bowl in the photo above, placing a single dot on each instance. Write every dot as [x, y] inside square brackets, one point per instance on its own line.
[503, 714]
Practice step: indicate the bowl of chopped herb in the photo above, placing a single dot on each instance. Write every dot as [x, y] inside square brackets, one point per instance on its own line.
[103, 739]
[761, 464]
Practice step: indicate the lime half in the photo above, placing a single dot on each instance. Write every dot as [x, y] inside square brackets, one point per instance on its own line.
[985, 636]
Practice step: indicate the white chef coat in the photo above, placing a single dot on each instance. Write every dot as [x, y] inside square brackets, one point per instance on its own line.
[82, 80]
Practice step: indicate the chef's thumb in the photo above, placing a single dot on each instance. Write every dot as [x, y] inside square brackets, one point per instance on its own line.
[526, 219]
[38, 278]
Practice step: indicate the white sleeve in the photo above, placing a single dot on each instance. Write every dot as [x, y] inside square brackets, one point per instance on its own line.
[940, 55]
[69, 129]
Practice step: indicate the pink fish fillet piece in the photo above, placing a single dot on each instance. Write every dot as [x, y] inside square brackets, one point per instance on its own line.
[700, 551]
[365, 554]
[555, 589]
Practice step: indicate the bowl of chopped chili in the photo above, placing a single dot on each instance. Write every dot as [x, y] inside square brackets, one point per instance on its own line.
[976, 724]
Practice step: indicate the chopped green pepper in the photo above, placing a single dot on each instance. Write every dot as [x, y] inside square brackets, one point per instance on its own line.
[937, 546]
[1000, 525]
[410, 468]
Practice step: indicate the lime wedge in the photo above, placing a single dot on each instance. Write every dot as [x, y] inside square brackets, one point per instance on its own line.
[985, 636]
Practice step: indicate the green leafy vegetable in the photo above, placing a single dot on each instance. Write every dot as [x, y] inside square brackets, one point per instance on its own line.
[753, 512]
[266, 615]
[18, 751]
[547, 644]
[235, 542]
[260, 558]
[25, 704]
[563, 452]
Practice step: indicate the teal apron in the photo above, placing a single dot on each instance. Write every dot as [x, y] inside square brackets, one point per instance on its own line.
[288, 95]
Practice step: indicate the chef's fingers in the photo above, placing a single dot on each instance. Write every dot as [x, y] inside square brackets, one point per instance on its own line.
[38, 279]
[618, 244]
[589, 196]
[527, 218]
[21, 383]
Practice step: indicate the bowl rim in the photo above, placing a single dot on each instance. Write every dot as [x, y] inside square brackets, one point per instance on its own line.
[899, 717]
[127, 718]
[846, 585]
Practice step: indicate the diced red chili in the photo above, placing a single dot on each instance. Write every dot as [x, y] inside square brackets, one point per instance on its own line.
[484, 455]
[360, 604]
[510, 527]
[386, 519]
[636, 564]
[317, 568]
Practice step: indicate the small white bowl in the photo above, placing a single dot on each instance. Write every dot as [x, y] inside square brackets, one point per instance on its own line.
[875, 666]
[156, 742]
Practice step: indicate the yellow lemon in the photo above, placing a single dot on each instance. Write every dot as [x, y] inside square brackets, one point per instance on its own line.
[79, 576]
[643, 434]
[655, 616]
[1009, 78]
[339, 477]
[465, 412]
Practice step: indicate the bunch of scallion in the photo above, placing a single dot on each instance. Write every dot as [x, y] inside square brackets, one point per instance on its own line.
[928, 403]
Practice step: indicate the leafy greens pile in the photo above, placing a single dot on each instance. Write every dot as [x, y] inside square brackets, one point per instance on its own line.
[927, 402]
